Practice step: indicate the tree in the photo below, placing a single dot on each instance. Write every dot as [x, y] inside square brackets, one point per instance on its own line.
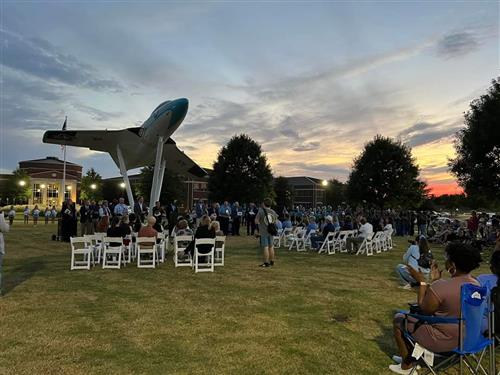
[91, 186]
[283, 193]
[18, 186]
[385, 174]
[241, 172]
[477, 164]
[172, 187]
[336, 193]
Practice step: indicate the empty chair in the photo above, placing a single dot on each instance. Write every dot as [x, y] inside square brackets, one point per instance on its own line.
[81, 248]
[220, 245]
[203, 258]
[180, 245]
[113, 252]
[146, 252]
[161, 246]
[327, 246]
[366, 246]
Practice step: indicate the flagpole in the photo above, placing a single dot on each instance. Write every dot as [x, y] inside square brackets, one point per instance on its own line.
[64, 166]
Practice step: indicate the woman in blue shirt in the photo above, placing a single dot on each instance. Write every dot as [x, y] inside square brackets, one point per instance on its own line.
[411, 259]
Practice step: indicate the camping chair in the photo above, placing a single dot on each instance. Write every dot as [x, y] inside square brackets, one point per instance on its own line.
[207, 262]
[113, 252]
[180, 245]
[220, 246]
[472, 344]
[81, 246]
[146, 246]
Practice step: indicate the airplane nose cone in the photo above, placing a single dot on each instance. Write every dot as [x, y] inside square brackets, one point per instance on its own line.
[179, 111]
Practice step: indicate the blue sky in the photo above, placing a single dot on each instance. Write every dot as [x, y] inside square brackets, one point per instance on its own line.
[312, 82]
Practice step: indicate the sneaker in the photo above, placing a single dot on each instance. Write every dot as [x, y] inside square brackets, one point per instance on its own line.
[265, 265]
[398, 370]
[271, 263]
[405, 287]
[397, 359]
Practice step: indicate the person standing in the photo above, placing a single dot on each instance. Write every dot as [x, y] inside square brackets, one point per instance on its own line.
[36, 214]
[26, 214]
[266, 217]
[4, 228]
[200, 211]
[46, 215]
[172, 216]
[236, 215]
[68, 220]
[86, 225]
[140, 209]
[250, 218]
[53, 214]
[94, 213]
[224, 216]
[12, 215]
[120, 208]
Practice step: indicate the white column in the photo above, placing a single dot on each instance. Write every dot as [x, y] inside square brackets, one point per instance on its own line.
[156, 173]
[123, 172]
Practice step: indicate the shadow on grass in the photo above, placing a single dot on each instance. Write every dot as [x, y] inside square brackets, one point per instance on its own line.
[22, 272]
[385, 340]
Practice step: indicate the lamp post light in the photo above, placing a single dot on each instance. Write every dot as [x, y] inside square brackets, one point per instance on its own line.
[22, 183]
[122, 185]
[93, 186]
[324, 183]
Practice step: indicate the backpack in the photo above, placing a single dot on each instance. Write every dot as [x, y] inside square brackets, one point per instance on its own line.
[425, 260]
[271, 227]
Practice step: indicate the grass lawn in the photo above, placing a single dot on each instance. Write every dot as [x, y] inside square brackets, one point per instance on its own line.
[310, 314]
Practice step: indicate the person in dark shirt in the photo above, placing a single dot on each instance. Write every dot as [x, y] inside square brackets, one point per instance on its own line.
[115, 230]
[203, 231]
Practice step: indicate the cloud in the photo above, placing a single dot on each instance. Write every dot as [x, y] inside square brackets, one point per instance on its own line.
[457, 44]
[39, 58]
[319, 170]
[95, 113]
[424, 132]
[307, 146]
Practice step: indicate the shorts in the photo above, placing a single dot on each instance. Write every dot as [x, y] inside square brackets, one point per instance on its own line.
[266, 240]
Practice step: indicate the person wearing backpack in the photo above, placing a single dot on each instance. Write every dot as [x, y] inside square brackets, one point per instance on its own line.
[266, 221]
[419, 257]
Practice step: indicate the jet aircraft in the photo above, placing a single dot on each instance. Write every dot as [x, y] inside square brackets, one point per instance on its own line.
[139, 146]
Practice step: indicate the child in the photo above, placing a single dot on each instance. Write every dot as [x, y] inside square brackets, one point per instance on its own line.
[47, 214]
[26, 214]
[36, 213]
[12, 214]
[53, 213]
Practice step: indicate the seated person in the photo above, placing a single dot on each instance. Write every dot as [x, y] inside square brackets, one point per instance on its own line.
[365, 230]
[115, 230]
[329, 227]
[312, 226]
[127, 230]
[203, 231]
[215, 226]
[148, 230]
[182, 229]
[418, 256]
[441, 298]
[279, 224]
[287, 223]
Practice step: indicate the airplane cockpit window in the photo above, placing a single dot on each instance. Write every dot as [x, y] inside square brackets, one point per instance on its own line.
[168, 101]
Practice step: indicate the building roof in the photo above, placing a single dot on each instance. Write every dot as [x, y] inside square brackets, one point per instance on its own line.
[301, 180]
[48, 160]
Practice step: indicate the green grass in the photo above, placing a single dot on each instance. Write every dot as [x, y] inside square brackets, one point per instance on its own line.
[310, 314]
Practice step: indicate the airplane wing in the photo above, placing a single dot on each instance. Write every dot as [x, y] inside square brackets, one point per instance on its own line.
[178, 162]
[99, 140]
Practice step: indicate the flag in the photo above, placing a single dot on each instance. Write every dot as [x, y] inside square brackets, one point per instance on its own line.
[64, 128]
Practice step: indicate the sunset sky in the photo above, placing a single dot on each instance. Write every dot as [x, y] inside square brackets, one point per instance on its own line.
[312, 82]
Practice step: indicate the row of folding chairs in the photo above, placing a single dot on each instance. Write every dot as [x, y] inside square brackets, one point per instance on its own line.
[115, 252]
[200, 262]
[337, 241]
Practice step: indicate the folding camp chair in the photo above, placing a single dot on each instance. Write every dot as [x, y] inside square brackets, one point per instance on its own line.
[472, 344]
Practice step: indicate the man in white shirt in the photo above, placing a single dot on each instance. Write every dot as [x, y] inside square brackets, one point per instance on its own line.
[365, 231]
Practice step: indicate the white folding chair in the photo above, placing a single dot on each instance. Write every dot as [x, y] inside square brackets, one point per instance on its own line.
[161, 247]
[277, 239]
[366, 246]
[297, 238]
[146, 246]
[81, 246]
[180, 245]
[112, 256]
[327, 246]
[389, 233]
[377, 241]
[208, 264]
[220, 245]
[99, 245]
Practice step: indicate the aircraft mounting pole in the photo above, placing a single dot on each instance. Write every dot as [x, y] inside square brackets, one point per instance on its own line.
[156, 174]
[123, 172]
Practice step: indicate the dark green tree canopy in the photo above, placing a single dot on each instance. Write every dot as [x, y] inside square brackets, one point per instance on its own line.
[283, 193]
[336, 193]
[91, 186]
[241, 172]
[477, 165]
[14, 189]
[385, 174]
[172, 188]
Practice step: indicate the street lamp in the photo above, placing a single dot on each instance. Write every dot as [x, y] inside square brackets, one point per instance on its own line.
[68, 187]
[324, 183]
[93, 186]
[22, 183]
[42, 186]
[122, 185]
